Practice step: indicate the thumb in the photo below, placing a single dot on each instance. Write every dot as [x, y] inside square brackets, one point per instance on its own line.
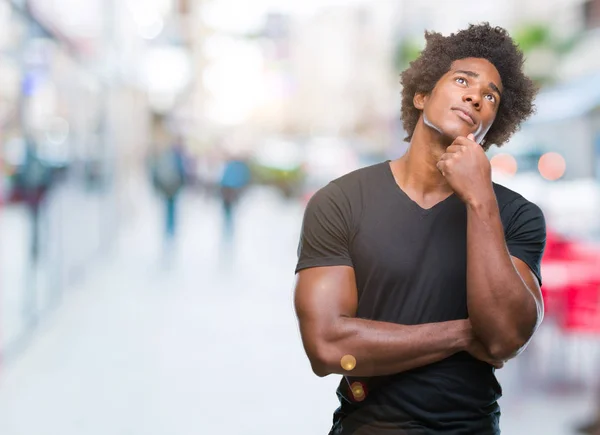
[471, 137]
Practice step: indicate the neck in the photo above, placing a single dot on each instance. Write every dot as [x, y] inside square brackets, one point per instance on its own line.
[416, 170]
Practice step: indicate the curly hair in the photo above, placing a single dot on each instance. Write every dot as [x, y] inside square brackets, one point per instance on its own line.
[479, 41]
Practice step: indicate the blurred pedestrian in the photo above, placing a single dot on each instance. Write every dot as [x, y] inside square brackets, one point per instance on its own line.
[33, 181]
[169, 176]
[234, 180]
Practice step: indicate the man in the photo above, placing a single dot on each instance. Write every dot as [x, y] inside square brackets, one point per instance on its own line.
[418, 277]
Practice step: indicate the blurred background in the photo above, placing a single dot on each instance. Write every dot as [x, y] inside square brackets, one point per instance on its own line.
[155, 160]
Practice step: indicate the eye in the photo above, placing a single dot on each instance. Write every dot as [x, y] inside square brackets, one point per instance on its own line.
[461, 80]
[491, 97]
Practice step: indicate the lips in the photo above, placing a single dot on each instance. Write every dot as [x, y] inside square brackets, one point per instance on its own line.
[463, 114]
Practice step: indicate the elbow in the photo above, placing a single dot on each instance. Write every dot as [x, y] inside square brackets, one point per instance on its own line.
[514, 339]
[502, 352]
[506, 349]
[320, 361]
[323, 349]
[319, 369]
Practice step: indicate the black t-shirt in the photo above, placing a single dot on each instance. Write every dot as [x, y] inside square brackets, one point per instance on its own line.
[410, 267]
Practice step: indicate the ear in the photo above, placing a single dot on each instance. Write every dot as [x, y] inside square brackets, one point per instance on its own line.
[419, 100]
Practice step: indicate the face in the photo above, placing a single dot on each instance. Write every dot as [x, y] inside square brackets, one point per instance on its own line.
[465, 100]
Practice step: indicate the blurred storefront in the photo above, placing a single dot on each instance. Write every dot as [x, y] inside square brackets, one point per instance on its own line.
[71, 132]
[567, 121]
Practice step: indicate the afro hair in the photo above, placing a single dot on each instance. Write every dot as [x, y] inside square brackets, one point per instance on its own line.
[479, 41]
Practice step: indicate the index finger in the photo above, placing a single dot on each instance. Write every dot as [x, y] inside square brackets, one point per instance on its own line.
[455, 148]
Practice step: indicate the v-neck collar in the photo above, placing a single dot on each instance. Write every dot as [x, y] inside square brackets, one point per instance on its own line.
[410, 201]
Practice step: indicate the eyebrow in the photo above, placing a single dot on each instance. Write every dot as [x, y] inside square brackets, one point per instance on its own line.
[475, 75]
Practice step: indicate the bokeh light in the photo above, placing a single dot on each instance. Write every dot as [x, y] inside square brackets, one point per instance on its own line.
[505, 164]
[358, 391]
[348, 362]
[552, 166]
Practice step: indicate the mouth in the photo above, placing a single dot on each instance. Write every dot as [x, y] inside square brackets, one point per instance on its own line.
[464, 115]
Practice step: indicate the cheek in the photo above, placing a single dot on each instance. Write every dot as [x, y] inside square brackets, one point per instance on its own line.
[435, 106]
[489, 119]
[444, 98]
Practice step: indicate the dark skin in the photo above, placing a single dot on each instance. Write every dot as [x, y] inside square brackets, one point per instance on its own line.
[503, 295]
[504, 298]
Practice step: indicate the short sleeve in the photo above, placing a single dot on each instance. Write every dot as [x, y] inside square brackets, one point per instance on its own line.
[326, 230]
[526, 234]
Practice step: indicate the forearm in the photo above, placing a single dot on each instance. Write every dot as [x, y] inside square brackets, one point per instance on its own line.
[502, 310]
[382, 348]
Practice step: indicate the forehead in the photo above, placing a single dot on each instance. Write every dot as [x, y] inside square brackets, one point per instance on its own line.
[486, 70]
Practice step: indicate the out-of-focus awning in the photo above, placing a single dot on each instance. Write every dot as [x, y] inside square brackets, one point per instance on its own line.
[568, 100]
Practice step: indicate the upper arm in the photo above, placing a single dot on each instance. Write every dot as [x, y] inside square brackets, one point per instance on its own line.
[526, 240]
[326, 230]
[322, 296]
[525, 236]
[326, 285]
[532, 283]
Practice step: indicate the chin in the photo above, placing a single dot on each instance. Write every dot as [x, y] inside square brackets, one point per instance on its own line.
[450, 135]
[450, 130]
[453, 133]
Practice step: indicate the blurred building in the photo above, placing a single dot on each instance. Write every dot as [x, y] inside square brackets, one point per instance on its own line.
[321, 73]
[342, 83]
[77, 93]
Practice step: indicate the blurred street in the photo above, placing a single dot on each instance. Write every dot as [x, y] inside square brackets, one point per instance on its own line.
[156, 157]
[207, 343]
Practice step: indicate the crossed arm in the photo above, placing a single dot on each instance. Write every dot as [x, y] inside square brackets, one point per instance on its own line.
[326, 302]
[504, 303]
[503, 297]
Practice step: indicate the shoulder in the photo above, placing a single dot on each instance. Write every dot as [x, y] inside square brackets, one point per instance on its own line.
[517, 212]
[506, 195]
[360, 179]
[350, 185]
[510, 201]
[524, 228]
[345, 195]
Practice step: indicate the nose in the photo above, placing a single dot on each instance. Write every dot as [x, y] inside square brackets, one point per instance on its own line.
[474, 98]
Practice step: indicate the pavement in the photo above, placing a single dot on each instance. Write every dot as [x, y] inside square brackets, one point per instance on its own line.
[201, 338]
